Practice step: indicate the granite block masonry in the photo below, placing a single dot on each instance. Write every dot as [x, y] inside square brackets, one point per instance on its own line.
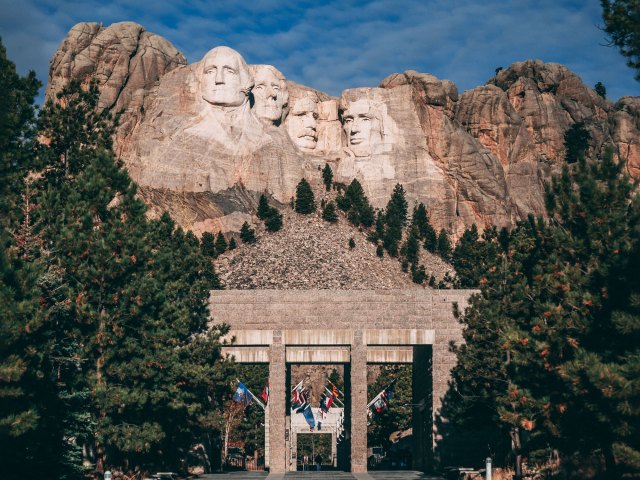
[355, 328]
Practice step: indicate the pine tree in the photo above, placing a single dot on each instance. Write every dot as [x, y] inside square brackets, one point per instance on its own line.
[232, 244]
[221, 244]
[555, 331]
[380, 251]
[74, 129]
[352, 243]
[420, 219]
[431, 241]
[263, 207]
[305, 200]
[418, 273]
[444, 245]
[472, 255]
[329, 213]
[395, 219]
[412, 245]
[600, 89]
[576, 142]
[380, 229]
[397, 208]
[247, 234]
[128, 299]
[17, 118]
[621, 25]
[327, 176]
[208, 244]
[273, 222]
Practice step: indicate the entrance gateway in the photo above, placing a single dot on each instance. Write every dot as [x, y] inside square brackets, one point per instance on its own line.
[350, 327]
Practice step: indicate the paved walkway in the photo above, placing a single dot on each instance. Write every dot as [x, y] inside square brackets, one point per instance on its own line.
[329, 475]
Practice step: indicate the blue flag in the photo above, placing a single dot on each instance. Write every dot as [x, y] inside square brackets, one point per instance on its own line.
[242, 395]
[308, 416]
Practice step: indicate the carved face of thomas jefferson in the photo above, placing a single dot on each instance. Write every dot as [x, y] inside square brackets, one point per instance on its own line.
[270, 93]
[361, 124]
[302, 123]
[226, 80]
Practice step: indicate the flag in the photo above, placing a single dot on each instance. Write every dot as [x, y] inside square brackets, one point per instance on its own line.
[308, 416]
[323, 404]
[390, 390]
[298, 401]
[334, 395]
[242, 395]
[265, 393]
[380, 404]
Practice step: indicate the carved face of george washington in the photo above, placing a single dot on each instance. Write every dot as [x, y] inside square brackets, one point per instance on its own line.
[226, 80]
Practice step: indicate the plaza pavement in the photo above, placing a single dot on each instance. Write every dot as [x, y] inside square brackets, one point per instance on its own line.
[328, 475]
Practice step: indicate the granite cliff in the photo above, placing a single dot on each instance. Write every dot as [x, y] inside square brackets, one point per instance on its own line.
[204, 140]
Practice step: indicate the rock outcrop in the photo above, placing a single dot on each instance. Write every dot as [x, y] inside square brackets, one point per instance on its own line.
[204, 140]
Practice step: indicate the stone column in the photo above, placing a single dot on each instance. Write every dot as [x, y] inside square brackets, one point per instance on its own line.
[358, 404]
[334, 449]
[266, 437]
[277, 404]
[422, 419]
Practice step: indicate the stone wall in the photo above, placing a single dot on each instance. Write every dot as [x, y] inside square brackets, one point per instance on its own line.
[362, 326]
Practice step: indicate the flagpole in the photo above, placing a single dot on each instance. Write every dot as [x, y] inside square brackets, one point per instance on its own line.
[253, 396]
[383, 390]
[296, 387]
[374, 399]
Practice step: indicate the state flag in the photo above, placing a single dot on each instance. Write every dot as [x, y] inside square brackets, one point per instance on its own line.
[265, 393]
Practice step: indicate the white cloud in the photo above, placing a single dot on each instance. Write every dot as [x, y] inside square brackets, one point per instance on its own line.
[341, 44]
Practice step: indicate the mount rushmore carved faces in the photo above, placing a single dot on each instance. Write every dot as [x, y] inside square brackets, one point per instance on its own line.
[226, 80]
[303, 121]
[363, 126]
[270, 93]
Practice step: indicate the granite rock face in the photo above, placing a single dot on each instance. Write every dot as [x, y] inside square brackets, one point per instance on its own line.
[125, 59]
[204, 140]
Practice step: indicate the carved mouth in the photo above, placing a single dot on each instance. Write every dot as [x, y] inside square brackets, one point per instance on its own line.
[356, 140]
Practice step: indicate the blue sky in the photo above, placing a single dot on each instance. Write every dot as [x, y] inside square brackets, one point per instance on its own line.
[338, 44]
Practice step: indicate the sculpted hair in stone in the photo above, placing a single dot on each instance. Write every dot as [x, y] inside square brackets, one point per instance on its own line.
[246, 78]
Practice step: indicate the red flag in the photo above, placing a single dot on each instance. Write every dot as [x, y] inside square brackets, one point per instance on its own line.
[334, 395]
[265, 393]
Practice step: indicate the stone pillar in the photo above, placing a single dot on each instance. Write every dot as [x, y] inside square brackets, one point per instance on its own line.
[422, 418]
[334, 449]
[358, 404]
[277, 404]
[266, 437]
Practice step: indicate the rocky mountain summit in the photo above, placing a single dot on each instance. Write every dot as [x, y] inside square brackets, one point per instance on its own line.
[204, 140]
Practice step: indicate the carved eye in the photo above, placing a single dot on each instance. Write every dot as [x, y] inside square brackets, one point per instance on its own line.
[229, 70]
[258, 87]
[210, 70]
[348, 120]
[276, 88]
[315, 116]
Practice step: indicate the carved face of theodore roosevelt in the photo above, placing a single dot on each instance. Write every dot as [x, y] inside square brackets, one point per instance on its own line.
[270, 93]
[302, 123]
[226, 80]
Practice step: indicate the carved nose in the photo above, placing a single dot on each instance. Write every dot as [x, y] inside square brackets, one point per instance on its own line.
[309, 122]
[355, 127]
[219, 76]
[271, 93]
